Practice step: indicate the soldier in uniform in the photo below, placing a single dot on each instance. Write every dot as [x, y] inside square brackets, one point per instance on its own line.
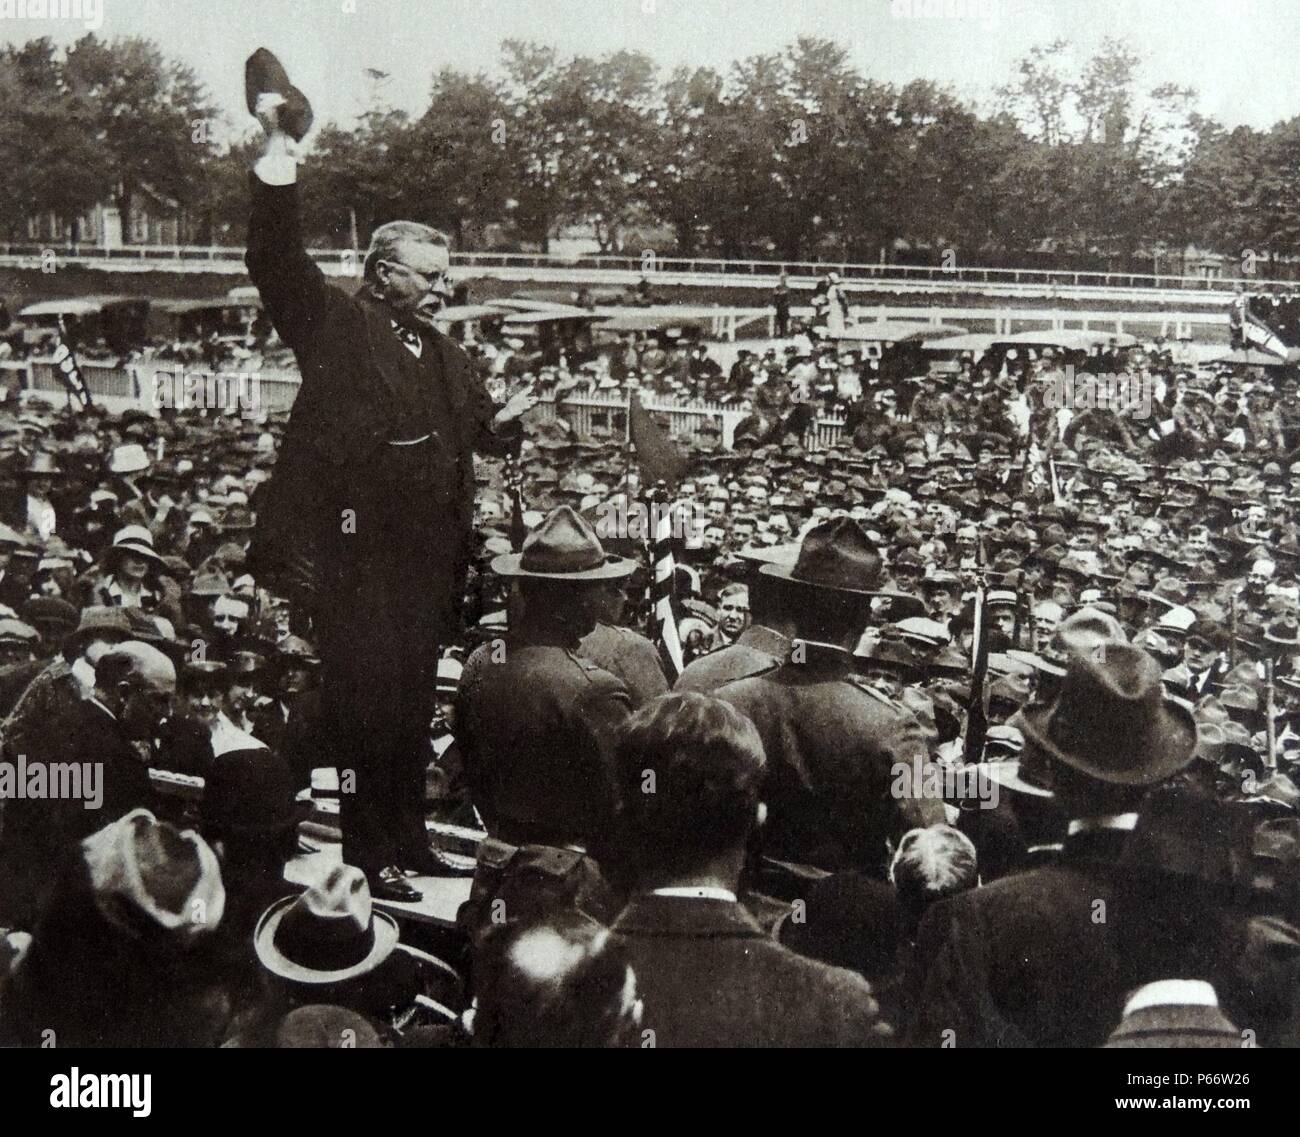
[832, 742]
[622, 651]
[535, 723]
[762, 645]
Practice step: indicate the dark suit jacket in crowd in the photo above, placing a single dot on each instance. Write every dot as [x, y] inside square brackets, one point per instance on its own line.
[1028, 960]
[1175, 1027]
[831, 746]
[15, 679]
[38, 834]
[710, 976]
[398, 578]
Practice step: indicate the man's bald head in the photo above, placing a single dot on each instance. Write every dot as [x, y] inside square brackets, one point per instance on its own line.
[135, 660]
[136, 683]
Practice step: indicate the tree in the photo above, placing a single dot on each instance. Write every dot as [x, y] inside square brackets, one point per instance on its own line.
[53, 160]
[150, 115]
[453, 166]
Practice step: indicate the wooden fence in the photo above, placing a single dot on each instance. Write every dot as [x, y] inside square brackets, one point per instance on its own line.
[153, 387]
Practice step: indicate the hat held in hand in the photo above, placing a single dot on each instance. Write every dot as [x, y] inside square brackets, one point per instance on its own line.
[265, 74]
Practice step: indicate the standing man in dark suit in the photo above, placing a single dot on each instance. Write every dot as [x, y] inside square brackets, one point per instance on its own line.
[1179, 933]
[1032, 959]
[691, 769]
[367, 518]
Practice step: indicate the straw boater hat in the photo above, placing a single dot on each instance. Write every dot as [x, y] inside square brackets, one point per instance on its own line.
[563, 547]
[328, 934]
[129, 458]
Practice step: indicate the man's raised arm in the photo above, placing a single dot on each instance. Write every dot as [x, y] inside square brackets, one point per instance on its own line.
[292, 286]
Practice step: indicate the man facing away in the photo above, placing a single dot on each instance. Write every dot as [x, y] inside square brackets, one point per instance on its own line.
[690, 769]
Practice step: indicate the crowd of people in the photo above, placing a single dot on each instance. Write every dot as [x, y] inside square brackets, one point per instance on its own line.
[978, 727]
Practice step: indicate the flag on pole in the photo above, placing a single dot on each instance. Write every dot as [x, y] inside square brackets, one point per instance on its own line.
[663, 571]
[1057, 496]
[1256, 333]
[976, 716]
[656, 453]
[66, 364]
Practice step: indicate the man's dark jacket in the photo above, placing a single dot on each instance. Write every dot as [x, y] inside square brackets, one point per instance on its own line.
[535, 725]
[394, 566]
[1029, 960]
[710, 976]
[38, 835]
[834, 798]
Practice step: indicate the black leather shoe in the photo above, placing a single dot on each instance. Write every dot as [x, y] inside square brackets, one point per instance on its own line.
[389, 884]
[421, 864]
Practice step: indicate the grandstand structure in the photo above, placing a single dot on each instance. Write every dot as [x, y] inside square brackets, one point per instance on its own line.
[611, 270]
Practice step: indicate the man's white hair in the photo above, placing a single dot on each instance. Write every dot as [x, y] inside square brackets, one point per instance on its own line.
[385, 240]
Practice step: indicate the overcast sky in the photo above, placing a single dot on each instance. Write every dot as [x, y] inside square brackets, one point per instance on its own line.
[1241, 55]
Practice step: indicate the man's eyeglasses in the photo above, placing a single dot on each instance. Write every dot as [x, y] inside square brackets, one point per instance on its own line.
[435, 282]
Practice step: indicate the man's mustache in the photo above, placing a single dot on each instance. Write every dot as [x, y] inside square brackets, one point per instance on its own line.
[428, 308]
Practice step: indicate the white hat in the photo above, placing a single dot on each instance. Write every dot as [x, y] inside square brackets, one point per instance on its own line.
[140, 865]
[129, 458]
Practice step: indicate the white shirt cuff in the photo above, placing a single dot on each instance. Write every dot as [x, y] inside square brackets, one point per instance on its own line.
[276, 169]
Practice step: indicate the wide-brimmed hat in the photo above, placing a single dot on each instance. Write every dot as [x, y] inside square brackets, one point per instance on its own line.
[210, 582]
[1111, 719]
[297, 650]
[99, 621]
[265, 74]
[136, 540]
[892, 656]
[837, 556]
[236, 517]
[328, 934]
[563, 547]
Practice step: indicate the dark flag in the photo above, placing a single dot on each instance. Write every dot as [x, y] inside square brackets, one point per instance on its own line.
[656, 453]
[514, 480]
[976, 715]
[69, 372]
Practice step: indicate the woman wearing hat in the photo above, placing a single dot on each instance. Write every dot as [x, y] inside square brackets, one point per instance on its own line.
[39, 516]
[135, 576]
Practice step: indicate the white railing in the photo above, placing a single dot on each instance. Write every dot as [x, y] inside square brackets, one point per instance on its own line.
[590, 413]
[606, 413]
[743, 272]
